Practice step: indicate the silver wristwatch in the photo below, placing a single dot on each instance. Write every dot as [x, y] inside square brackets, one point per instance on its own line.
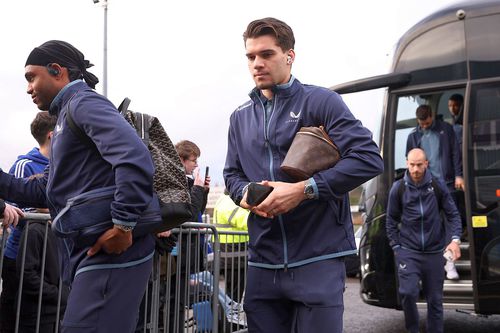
[124, 227]
[309, 190]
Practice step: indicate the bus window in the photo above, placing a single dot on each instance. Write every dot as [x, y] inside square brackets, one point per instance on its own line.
[406, 120]
[484, 143]
[483, 46]
[405, 123]
[444, 63]
[484, 175]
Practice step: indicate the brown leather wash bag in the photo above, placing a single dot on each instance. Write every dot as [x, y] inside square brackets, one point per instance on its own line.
[311, 151]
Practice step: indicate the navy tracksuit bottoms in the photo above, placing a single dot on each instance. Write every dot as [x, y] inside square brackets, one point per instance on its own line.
[428, 268]
[106, 300]
[303, 299]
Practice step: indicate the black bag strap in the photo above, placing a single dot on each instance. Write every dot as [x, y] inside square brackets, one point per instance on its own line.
[438, 193]
[123, 107]
[84, 138]
[142, 121]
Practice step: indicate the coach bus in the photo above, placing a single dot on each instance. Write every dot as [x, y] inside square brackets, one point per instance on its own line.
[453, 51]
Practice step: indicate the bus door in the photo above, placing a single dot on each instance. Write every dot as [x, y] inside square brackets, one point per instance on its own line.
[483, 181]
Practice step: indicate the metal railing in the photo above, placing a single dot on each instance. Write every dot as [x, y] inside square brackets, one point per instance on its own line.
[199, 287]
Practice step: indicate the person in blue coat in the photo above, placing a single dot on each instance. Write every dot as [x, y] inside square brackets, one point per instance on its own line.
[300, 233]
[439, 141]
[417, 234]
[32, 163]
[108, 278]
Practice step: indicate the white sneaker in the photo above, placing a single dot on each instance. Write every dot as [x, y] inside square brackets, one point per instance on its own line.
[451, 270]
[236, 315]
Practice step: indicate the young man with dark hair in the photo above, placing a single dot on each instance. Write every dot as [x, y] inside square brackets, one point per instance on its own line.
[455, 106]
[300, 233]
[42, 126]
[108, 278]
[439, 142]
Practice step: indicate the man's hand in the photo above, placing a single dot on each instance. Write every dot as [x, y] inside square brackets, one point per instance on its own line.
[11, 215]
[198, 180]
[459, 183]
[206, 184]
[455, 250]
[282, 199]
[165, 242]
[113, 241]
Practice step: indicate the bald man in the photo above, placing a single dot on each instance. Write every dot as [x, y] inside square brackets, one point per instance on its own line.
[419, 241]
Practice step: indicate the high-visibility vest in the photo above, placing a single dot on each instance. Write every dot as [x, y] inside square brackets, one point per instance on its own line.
[230, 217]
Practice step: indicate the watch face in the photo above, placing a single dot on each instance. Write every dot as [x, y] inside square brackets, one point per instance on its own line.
[309, 191]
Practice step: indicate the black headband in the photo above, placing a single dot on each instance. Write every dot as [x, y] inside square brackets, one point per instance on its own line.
[64, 54]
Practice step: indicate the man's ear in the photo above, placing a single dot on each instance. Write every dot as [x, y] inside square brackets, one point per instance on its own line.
[54, 69]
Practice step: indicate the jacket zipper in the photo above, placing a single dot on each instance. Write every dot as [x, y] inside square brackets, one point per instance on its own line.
[271, 168]
[421, 220]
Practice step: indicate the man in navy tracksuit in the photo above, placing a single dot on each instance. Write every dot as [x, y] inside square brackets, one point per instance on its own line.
[109, 278]
[419, 241]
[301, 232]
[439, 141]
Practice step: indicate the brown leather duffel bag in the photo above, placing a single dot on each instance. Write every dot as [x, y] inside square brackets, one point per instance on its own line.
[311, 151]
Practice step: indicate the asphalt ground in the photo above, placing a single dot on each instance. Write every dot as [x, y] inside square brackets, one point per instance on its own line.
[361, 317]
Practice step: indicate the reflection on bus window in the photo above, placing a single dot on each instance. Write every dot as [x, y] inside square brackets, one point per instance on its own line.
[407, 122]
[484, 144]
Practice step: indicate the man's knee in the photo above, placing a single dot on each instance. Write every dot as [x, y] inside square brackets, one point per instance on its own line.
[409, 290]
[320, 319]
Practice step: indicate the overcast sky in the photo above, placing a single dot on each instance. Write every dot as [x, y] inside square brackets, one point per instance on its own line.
[184, 61]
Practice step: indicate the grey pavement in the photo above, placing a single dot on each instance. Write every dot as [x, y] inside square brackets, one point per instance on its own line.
[361, 317]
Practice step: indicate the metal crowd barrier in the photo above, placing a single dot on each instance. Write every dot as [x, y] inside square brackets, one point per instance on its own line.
[22, 295]
[199, 287]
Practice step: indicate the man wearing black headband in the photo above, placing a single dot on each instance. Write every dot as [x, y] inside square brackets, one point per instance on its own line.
[109, 278]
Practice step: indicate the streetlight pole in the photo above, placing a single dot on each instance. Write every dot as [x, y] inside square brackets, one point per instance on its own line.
[105, 48]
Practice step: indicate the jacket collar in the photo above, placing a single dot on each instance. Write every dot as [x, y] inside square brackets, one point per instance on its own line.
[282, 90]
[426, 180]
[64, 95]
[435, 127]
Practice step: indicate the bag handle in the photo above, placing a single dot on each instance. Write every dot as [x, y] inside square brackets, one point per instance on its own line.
[123, 107]
[322, 136]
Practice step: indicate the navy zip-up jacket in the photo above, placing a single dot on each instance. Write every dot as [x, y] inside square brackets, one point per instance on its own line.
[449, 150]
[422, 228]
[316, 229]
[122, 160]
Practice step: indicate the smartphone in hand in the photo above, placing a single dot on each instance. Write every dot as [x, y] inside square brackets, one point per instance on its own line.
[256, 193]
[206, 176]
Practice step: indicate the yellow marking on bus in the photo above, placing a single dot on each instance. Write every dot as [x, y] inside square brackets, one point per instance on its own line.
[480, 221]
